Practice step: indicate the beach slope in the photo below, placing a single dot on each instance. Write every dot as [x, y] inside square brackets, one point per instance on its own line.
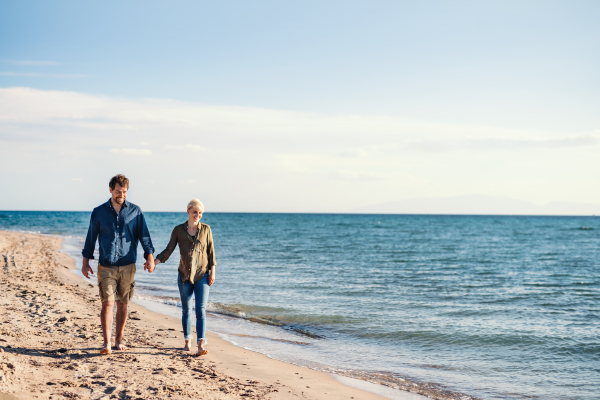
[50, 337]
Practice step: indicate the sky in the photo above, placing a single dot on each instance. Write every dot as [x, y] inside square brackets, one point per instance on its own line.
[312, 106]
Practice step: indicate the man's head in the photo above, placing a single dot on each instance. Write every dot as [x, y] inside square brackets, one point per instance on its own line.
[118, 188]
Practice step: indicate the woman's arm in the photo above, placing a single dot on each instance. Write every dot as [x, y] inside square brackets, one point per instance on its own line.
[210, 253]
[211, 276]
[210, 249]
[166, 253]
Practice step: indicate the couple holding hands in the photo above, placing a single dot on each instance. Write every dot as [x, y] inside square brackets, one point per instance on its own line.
[119, 225]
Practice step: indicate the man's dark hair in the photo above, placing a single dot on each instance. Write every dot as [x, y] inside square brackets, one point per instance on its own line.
[120, 179]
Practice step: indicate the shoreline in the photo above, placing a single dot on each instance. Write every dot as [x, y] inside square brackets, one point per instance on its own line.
[460, 318]
[153, 339]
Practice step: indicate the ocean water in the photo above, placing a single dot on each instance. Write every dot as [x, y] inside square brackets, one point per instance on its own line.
[489, 307]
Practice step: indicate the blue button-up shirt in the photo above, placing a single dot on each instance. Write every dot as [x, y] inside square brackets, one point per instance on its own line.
[118, 235]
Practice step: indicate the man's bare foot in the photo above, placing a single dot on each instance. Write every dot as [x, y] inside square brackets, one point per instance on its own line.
[188, 346]
[120, 346]
[105, 350]
[201, 350]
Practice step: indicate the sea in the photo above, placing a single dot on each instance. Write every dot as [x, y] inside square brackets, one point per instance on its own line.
[445, 306]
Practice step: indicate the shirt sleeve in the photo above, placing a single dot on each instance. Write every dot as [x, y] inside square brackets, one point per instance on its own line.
[144, 236]
[210, 249]
[166, 253]
[90, 239]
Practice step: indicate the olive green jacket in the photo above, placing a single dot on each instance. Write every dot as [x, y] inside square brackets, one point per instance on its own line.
[197, 255]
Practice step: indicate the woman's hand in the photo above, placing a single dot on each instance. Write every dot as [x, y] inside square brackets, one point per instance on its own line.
[211, 277]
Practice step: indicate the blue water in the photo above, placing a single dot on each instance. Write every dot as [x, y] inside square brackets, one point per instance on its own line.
[495, 307]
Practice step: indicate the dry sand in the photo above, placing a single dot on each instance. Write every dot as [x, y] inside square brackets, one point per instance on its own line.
[50, 337]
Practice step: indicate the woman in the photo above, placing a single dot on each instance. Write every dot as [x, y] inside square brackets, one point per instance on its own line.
[196, 271]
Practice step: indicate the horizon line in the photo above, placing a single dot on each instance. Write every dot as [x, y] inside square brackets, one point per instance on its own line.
[339, 213]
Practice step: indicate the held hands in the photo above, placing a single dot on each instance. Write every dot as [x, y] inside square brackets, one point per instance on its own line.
[150, 264]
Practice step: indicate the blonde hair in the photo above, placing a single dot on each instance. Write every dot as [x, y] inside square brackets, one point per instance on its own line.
[196, 203]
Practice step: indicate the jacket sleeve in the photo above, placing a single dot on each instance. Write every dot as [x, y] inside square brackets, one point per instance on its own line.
[144, 235]
[91, 237]
[210, 249]
[166, 253]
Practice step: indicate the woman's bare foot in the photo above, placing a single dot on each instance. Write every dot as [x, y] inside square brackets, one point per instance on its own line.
[201, 350]
[188, 345]
[105, 350]
[120, 346]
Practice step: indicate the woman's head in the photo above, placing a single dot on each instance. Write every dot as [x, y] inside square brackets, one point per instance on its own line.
[195, 209]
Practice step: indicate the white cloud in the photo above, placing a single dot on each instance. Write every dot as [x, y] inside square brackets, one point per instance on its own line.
[143, 152]
[354, 153]
[356, 176]
[37, 63]
[169, 124]
[498, 143]
[77, 179]
[41, 75]
[245, 158]
[196, 147]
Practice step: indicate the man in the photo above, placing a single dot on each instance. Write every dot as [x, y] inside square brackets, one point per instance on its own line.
[118, 225]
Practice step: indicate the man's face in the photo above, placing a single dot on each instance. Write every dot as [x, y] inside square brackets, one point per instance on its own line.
[119, 194]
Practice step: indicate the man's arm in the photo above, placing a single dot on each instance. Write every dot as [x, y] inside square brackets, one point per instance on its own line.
[88, 248]
[146, 243]
[86, 269]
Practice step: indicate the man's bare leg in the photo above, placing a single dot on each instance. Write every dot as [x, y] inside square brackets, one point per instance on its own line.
[121, 319]
[106, 319]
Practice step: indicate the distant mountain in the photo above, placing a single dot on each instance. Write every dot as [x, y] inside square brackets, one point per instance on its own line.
[478, 204]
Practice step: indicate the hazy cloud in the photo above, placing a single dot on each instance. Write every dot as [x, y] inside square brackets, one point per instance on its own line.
[355, 153]
[502, 144]
[143, 152]
[248, 158]
[38, 63]
[196, 147]
[41, 75]
[229, 128]
[356, 176]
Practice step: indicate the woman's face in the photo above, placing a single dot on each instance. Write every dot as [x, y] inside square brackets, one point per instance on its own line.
[195, 214]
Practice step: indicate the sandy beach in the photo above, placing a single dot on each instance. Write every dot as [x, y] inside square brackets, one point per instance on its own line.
[50, 337]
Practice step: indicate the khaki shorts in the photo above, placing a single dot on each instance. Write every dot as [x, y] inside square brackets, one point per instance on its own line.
[116, 283]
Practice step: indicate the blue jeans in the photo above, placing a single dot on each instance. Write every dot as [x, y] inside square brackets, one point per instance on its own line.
[200, 291]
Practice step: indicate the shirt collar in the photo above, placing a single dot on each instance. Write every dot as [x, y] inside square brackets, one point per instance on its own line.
[109, 203]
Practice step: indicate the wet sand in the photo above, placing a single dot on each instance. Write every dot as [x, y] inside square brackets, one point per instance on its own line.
[50, 337]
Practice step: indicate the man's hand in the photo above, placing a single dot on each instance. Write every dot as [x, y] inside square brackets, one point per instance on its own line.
[150, 265]
[86, 269]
